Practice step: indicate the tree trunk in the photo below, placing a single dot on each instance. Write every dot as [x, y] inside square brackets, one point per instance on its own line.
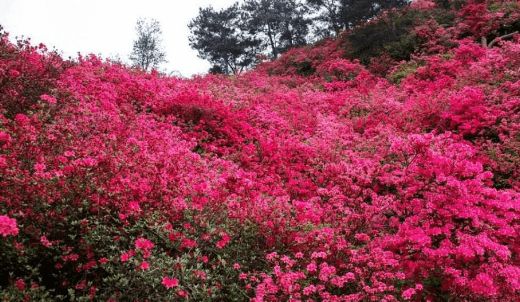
[275, 54]
[495, 39]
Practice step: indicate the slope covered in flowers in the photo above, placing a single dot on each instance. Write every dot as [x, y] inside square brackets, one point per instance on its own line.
[336, 185]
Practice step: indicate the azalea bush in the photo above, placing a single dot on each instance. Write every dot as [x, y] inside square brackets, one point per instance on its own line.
[310, 178]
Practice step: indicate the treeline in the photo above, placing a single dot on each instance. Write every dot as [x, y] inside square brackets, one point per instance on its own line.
[237, 37]
[232, 38]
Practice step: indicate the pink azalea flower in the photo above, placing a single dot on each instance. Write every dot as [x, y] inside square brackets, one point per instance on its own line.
[45, 242]
[182, 293]
[20, 284]
[407, 294]
[144, 265]
[143, 244]
[124, 257]
[14, 73]
[169, 283]
[8, 226]
[48, 98]
[39, 167]
[311, 267]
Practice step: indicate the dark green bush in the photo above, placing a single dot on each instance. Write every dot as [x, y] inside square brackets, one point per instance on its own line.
[391, 35]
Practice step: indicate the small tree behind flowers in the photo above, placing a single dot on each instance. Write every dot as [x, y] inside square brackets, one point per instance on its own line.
[147, 50]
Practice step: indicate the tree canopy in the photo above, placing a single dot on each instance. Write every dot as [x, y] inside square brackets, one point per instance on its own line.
[147, 51]
[281, 24]
[231, 38]
[219, 37]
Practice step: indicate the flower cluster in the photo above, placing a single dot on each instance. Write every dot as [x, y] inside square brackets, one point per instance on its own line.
[8, 226]
[311, 178]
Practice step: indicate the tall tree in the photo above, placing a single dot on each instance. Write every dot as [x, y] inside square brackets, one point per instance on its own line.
[327, 20]
[295, 24]
[281, 24]
[147, 51]
[220, 38]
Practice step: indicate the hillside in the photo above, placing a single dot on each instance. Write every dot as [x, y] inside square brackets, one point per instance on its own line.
[334, 173]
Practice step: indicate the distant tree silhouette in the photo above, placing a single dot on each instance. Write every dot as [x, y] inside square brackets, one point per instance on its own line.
[280, 24]
[231, 38]
[390, 34]
[147, 52]
[221, 39]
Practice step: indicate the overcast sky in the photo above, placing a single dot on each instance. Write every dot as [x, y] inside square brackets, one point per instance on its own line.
[107, 27]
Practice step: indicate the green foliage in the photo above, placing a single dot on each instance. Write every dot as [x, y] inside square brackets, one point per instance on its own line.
[390, 34]
[450, 4]
[394, 34]
[447, 56]
[494, 7]
[233, 37]
[280, 25]
[401, 49]
[509, 159]
[433, 286]
[216, 69]
[443, 17]
[219, 38]
[304, 68]
[334, 15]
[403, 71]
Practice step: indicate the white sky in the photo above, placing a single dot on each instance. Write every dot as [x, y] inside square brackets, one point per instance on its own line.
[107, 27]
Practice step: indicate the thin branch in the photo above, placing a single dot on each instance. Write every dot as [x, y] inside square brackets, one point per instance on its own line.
[496, 39]
[483, 41]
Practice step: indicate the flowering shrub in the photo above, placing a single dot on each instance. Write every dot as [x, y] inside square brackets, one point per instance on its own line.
[337, 185]
[381, 65]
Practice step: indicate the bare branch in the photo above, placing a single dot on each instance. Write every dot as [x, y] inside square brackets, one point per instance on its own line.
[483, 41]
[495, 40]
